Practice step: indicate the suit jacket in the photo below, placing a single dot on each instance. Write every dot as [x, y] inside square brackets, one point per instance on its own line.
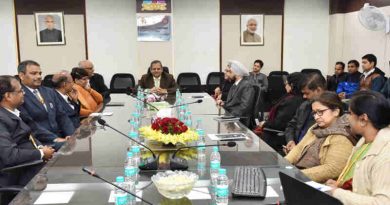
[15, 146]
[166, 82]
[73, 114]
[53, 35]
[97, 83]
[52, 123]
[260, 80]
[240, 99]
[300, 123]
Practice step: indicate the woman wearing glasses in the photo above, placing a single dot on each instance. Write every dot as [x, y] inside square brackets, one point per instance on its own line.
[366, 179]
[324, 150]
[90, 100]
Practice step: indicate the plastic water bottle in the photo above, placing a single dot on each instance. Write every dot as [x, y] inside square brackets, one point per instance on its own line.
[136, 118]
[215, 164]
[222, 195]
[188, 119]
[178, 94]
[201, 166]
[130, 168]
[182, 114]
[120, 196]
[137, 160]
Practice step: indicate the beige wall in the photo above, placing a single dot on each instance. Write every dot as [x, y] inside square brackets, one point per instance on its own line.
[350, 40]
[53, 58]
[8, 50]
[270, 53]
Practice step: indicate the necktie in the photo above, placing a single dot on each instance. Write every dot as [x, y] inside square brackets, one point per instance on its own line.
[40, 98]
[70, 103]
[33, 142]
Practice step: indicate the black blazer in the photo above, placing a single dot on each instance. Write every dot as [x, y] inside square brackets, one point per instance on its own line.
[15, 146]
[285, 111]
[73, 114]
[240, 99]
[52, 123]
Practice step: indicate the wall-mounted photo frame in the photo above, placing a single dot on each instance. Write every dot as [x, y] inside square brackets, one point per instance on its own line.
[252, 30]
[49, 27]
[153, 27]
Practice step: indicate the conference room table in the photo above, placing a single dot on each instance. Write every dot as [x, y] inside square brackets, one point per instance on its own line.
[101, 149]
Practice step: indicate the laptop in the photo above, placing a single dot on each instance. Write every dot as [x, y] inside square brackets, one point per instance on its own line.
[297, 192]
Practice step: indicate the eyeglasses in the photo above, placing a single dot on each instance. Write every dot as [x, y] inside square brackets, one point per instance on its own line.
[319, 112]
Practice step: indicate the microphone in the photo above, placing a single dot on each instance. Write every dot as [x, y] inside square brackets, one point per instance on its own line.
[148, 164]
[93, 173]
[128, 92]
[198, 101]
[181, 164]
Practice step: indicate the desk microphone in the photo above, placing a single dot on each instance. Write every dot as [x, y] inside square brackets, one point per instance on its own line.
[181, 164]
[198, 101]
[93, 173]
[128, 92]
[150, 163]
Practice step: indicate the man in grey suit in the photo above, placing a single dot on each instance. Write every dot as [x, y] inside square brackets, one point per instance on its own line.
[241, 97]
[258, 78]
[17, 145]
[50, 34]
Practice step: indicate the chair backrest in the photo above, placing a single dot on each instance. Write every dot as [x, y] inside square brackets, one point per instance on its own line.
[47, 81]
[120, 82]
[214, 79]
[276, 88]
[310, 70]
[278, 73]
[189, 82]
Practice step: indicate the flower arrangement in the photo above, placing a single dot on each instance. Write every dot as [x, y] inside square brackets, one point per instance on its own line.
[168, 130]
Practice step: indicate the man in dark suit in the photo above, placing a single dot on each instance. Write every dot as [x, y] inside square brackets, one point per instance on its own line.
[338, 77]
[241, 97]
[159, 82]
[42, 106]
[67, 96]
[96, 80]
[17, 145]
[50, 34]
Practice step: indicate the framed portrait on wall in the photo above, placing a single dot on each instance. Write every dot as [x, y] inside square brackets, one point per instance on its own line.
[153, 27]
[252, 29]
[49, 27]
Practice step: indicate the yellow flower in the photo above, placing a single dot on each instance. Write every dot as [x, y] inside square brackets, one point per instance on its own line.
[183, 138]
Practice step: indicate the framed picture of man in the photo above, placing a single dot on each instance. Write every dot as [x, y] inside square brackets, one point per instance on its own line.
[252, 30]
[49, 27]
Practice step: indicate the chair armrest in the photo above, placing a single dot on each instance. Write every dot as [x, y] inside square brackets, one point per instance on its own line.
[11, 189]
[19, 166]
[278, 132]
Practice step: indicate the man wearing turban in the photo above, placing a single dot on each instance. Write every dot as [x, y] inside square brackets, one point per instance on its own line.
[241, 97]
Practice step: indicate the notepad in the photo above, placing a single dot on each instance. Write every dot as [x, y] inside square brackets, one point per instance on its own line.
[199, 193]
[54, 197]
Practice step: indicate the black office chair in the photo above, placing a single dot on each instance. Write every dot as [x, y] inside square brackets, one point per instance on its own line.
[214, 79]
[278, 73]
[9, 192]
[189, 82]
[257, 101]
[276, 87]
[120, 82]
[47, 81]
[310, 71]
[165, 69]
